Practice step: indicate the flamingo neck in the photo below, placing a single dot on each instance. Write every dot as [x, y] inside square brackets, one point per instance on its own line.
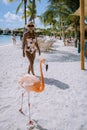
[42, 77]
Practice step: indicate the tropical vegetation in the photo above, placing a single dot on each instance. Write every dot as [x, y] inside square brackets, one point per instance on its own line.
[57, 16]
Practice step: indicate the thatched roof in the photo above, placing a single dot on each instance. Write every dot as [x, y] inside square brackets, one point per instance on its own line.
[77, 12]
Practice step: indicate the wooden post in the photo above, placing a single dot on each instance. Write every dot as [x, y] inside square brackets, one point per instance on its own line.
[82, 32]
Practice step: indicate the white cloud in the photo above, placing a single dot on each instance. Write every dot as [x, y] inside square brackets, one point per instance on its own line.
[11, 20]
[10, 17]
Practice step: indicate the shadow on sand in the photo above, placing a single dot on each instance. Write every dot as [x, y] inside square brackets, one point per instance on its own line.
[62, 56]
[40, 127]
[57, 83]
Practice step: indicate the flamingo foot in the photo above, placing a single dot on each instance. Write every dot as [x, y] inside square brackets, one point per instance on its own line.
[31, 124]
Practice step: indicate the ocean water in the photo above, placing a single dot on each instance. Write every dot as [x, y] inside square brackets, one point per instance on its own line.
[7, 39]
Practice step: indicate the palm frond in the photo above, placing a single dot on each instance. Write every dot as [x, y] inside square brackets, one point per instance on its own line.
[19, 6]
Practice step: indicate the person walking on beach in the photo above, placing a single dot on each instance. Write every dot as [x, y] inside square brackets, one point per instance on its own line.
[14, 39]
[30, 46]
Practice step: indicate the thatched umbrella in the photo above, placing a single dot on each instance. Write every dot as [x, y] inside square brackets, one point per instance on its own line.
[77, 12]
[38, 31]
[70, 28]
[53, 32]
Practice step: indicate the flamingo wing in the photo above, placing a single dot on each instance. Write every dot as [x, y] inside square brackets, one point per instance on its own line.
[29, 80]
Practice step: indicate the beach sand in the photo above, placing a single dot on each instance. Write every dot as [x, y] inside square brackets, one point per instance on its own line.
[63, 103]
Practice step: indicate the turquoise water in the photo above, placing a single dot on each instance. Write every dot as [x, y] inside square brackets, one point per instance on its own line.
[7, 39]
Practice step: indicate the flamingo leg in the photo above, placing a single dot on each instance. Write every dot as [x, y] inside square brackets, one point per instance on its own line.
[30, 121]
[29, 106]
[20, 110]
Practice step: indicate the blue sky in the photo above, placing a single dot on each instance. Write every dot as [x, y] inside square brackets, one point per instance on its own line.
[9, 18]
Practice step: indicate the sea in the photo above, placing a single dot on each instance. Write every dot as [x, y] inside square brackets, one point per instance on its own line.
[7, 39]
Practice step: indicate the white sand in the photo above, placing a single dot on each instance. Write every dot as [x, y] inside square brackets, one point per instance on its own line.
[63, 104]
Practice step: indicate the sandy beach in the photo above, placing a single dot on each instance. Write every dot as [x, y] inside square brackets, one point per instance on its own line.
[63, 103]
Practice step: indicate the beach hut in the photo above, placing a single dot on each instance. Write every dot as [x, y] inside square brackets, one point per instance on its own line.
[7, 31]
[39, 32]
[18, 32]
[1, 31]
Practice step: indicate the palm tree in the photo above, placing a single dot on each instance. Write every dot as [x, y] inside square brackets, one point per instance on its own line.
[72, 4]
[60, 11]
[57, 11]
[29, 10]
[22, 2]
[33, 11]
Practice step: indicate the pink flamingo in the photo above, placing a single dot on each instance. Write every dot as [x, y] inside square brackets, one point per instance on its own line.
[32, 83]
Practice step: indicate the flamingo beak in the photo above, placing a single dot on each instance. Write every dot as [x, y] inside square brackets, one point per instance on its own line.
[46, 67]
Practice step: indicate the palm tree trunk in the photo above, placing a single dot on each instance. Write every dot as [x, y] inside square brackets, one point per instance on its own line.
[25, 3]
[32, 17]
[63, 33]
[33, 8]
[62, 30]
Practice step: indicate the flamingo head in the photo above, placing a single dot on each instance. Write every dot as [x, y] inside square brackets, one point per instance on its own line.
[43, 60]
